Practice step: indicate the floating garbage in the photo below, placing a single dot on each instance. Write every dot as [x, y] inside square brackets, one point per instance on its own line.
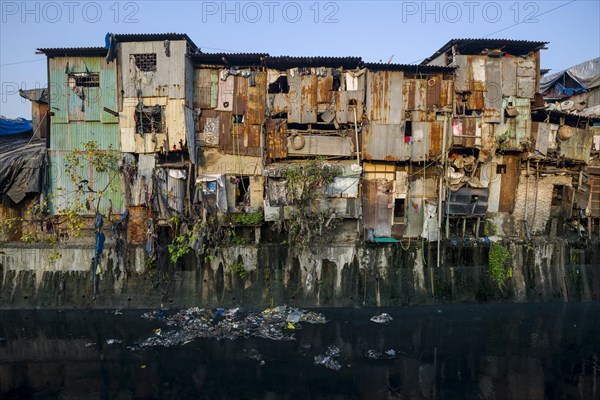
[158, 315]
[114, 341]
[386, 355]
[294, 316]
[255, 355]
[329, 360]
[313, 318]
[277, 323]
[382, 318]
[118, 312]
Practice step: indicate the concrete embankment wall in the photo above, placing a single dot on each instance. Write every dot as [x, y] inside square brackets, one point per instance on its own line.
[271, 274]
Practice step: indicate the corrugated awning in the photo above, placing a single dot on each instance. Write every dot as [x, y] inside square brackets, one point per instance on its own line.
[476, 46]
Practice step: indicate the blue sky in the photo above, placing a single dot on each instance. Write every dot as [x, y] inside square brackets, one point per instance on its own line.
[374, 30]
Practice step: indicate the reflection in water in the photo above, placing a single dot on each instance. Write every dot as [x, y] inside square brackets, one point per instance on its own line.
[508, 351]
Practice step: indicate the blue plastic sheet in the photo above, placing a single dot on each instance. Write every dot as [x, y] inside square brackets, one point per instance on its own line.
[14, 126]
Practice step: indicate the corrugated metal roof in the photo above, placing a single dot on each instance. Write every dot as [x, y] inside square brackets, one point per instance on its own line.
[74, 51]
[285, 62]
[407, 67]
[475, 46]
[38, 94]
[234, 59]
[152, 37]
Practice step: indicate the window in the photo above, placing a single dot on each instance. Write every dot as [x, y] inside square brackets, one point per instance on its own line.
[84, 79]
[399, 211]
[280, 85]
[407, 131]
[501, 169]
[149, 119]
[146, 61]
[242, 191]
[238, 118]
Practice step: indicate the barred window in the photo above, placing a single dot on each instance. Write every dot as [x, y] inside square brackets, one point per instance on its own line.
[84, 79]
[145, 61]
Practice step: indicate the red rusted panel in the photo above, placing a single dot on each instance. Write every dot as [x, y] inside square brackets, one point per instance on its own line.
[408, 94]
[277, 138]
[324, 88]
[225, 134]
[476, 101]
[434, 93]
[257, 100]
[435, 139]
[252, 136]
[240, 95]
[509, 183]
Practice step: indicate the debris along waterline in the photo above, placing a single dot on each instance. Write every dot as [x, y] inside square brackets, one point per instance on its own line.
[277, 323]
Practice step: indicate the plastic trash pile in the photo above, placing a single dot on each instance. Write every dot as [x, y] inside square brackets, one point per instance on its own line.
[330, 359]
[382, 318]
[277, 323]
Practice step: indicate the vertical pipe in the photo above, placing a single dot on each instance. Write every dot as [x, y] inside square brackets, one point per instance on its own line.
[526, 195]
[356, 136]
[441, 186]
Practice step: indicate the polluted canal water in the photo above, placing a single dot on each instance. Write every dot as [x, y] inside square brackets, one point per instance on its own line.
[494, 351]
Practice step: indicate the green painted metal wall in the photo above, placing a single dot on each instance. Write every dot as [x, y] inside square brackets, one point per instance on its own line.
[79, 117]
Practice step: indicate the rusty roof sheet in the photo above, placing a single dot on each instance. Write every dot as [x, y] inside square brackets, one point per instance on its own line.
[74, 51]
[407, 67]
[476, 46]
[233, 59]
[285, 62]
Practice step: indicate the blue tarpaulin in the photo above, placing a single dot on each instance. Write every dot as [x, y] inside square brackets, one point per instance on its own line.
[14, 126]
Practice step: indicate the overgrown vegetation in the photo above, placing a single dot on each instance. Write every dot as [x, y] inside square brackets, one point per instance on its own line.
[305, 186]
[497, 264]
[254, 218]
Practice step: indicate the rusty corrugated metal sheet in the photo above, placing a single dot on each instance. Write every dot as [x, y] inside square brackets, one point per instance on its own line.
[434, 93]
[384, 142]
[466, 132]
[377, 213]
[308, 99]
[294, 97]
[462, 81]
[206, 88]
[325, 88]
[447, 98]
[578, 146]
[256, 99]
[435, 138]
[493, 91]
[320, 145]
[477, 77]
[509, 183]
[408, 94]
[476, 100]
[509, 76]
[384, 97]
[277, 138]
[240, 95]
